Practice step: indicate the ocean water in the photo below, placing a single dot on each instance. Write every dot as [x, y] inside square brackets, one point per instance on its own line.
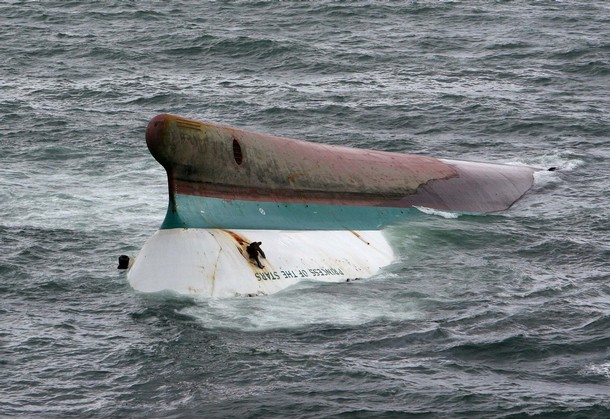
[503, 315]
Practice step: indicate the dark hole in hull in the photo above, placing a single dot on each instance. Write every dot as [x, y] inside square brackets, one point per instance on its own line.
[237, 152]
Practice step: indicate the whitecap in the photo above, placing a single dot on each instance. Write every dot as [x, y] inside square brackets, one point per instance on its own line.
[597, 369]
[438, 213]
[306, 304]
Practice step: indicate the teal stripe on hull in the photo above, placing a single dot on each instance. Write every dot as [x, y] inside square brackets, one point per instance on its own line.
[203, 212]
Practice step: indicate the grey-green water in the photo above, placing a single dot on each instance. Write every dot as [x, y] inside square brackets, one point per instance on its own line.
[490, 316]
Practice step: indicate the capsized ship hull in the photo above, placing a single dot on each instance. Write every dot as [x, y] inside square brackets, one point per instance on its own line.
[319, 210]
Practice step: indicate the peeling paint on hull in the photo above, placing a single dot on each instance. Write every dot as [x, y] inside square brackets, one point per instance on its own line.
[318, 209]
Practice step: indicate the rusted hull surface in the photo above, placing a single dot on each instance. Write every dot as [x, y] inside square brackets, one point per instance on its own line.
[208, 160]
[215, 263]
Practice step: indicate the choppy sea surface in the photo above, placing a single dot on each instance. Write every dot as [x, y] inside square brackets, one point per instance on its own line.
[504, 315]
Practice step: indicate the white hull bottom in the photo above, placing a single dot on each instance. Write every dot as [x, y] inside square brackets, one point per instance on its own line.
[215, 263]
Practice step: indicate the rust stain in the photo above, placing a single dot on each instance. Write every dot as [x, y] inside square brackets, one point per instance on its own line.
[213, 278]
[241, 243]
[187, 123]
[293, 176]
[359, 237]
[239, 239]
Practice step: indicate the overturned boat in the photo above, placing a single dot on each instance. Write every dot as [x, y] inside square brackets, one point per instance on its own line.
[252, 214]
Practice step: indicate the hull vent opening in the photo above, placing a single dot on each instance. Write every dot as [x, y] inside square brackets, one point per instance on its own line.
[237, 155]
